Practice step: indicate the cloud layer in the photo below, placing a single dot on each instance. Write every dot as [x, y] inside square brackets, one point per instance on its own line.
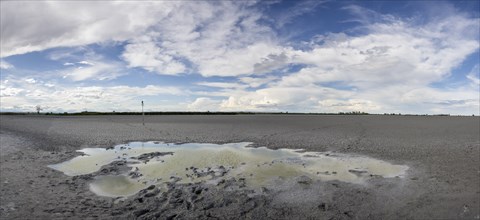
[58, 98]
[385, 64]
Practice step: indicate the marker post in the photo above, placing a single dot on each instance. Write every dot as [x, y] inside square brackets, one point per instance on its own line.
[143, 115]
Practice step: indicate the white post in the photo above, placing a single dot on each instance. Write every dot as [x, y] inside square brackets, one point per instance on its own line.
[143, 115]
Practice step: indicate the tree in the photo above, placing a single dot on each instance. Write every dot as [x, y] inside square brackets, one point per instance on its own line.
[39, 108]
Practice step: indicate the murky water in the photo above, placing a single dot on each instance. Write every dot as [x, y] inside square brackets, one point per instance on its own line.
[156, 162]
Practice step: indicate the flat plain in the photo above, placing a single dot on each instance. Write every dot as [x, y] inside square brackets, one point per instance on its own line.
[443, 155]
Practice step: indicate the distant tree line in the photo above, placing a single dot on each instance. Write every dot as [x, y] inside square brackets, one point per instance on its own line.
[204, 113]
[353, 113]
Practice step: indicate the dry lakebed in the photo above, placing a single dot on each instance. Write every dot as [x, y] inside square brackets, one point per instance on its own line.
[239, 167]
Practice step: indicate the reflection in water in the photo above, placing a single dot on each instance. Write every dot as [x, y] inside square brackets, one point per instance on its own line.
[156, 162]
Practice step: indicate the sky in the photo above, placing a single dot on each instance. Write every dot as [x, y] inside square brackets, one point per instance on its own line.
[409, 57]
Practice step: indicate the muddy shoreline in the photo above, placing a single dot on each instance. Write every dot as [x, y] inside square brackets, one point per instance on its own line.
[443, 153]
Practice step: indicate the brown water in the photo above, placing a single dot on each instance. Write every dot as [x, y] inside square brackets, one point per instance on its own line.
[212, 162]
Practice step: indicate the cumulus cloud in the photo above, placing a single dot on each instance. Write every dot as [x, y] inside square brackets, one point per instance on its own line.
[385, 64]
[390, 68]
[56, 27]
[152, 58]
[6, 90]
[221, 38]
[245, 61]
[381, 69]
[394, 59]
[204, 104]
[391, 53]
[19, 95]
[217, 39]
[335, 105]
[301, 99]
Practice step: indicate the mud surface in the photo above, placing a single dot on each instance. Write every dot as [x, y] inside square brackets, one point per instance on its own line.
[443, 180]
[216, 164]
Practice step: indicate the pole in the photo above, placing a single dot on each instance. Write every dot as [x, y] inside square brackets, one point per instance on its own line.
[143, 115]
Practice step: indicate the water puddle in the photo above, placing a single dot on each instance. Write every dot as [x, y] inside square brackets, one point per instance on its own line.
[150, 163]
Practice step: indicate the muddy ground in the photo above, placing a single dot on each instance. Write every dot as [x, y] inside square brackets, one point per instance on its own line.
[443, 181]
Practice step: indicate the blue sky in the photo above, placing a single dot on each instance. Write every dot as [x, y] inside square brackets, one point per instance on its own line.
[419, 57]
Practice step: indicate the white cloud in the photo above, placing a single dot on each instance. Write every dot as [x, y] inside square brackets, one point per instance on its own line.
[390, 54]
[152, 58]
[97, 71]
[221, 38]
[204, 104]
[388, 69]
[217, 39]
[301, 8]
[84, 62]
[6, 90]
[335, 105]
[255, 82]
[30, 80]
[20, 95]
[474, 75]
[393, 65]
[50, 85]
[387, 65]
[366, 16]
[223, 85]
[244, 61]
[66, 24]
[301, 99]
[5, 65]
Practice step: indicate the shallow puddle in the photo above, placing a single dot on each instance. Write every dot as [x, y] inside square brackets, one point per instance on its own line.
[157, 162]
